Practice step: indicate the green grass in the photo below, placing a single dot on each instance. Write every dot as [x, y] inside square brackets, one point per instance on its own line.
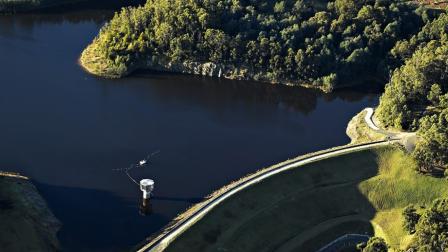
[286, 210]
[305, 208]
[396, 186]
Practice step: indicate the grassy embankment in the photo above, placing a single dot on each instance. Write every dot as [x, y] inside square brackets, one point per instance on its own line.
[26, 223]
[305, 208]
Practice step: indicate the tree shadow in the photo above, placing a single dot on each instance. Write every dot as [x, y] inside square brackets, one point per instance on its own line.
[216, 92]
[302, 209]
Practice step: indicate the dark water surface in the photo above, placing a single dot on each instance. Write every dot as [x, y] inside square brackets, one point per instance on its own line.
[68, 130]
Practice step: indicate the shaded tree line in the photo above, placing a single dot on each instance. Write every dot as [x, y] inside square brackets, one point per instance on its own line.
[416, 98]
[429, 227]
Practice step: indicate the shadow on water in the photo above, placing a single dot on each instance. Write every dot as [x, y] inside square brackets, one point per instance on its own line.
[22, 26]
[82, 5]
[93, 11]
[65, 6]
[213, 91]
[188, 200]
[99, 220]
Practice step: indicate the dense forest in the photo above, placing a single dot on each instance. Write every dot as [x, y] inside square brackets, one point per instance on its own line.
[316, 43]
[416, 98]
[431, 227]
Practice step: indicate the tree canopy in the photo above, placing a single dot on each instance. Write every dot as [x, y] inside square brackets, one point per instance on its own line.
[316, 43]
[374, 244]
[416, 97]
[432, 229]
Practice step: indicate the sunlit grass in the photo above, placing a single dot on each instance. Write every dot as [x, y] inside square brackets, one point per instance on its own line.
[318, 202]
[396, 186]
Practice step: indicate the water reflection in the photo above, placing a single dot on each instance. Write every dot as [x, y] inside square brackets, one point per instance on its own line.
[145, 208]
[22, 27]
[215, 93]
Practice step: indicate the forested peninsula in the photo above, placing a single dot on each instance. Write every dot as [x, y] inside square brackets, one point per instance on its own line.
[319, 44]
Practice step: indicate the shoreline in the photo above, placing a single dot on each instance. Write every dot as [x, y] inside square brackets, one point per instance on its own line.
[207, 69]
[161, 240]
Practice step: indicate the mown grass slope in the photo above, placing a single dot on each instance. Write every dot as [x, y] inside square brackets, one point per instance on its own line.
[305, 208]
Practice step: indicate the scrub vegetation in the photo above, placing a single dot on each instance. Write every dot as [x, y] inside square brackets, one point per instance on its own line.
[305, 208]
[416, 98]
[316, 43]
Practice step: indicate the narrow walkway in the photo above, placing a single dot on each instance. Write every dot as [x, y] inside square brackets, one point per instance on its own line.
[407, 139]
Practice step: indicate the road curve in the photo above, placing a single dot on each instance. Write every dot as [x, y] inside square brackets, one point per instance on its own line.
[160, 242]
[408, 139]
[345, 241]
[368, 119]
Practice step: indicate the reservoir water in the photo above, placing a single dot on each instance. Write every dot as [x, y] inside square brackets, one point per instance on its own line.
[68, 130]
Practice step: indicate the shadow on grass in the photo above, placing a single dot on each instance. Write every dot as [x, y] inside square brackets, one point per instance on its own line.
[299, 210]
